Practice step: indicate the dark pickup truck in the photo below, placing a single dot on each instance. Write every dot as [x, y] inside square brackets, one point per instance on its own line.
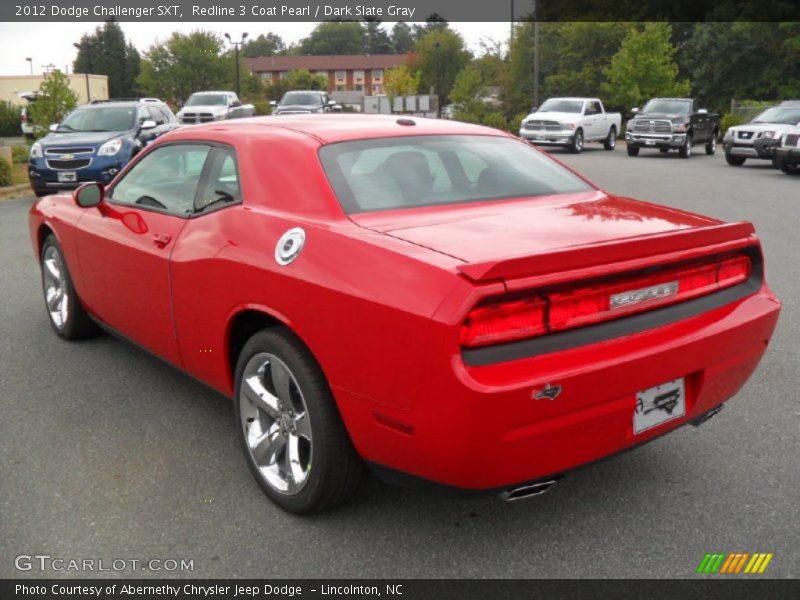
[672, 124]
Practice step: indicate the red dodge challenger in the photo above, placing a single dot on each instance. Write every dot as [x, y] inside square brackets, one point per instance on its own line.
[435, 300]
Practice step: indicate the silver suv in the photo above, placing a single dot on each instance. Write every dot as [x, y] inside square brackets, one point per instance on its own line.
[759, 138]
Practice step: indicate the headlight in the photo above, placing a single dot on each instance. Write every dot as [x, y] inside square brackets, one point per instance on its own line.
[569, 126]
[36, 150]
[728, 134]
[679, 127]
[110, 148]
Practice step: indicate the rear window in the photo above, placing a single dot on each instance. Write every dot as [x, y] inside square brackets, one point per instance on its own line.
[404, 172]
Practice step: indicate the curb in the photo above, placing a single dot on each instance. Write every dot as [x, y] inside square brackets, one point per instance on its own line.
[15, 191]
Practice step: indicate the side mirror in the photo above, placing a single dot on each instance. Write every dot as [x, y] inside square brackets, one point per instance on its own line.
[272, 103]
[236, 104]
[635, 110]
[149, 124]
[53, 127]
[88, 195]
[336, 107]
[703, 111]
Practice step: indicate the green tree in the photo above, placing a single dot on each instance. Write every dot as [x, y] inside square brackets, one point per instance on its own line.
[56, 100]
[334, 37]
[644, 67]
[270, 44]
[584, 53]
[187, 63]
[452, 57]
[400, 81]
[9, 120]
[377, 40]
[402, 38]
[106, 52]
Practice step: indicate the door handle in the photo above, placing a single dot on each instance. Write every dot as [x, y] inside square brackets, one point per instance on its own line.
[161, 239]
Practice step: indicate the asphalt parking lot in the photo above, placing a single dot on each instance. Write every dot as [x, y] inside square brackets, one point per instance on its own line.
[105, 452]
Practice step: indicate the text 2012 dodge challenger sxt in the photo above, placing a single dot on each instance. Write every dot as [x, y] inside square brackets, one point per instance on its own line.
[433, 299]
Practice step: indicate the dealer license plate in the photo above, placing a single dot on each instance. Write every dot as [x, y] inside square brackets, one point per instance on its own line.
[67, 177]
[659, 404]
[650, 142]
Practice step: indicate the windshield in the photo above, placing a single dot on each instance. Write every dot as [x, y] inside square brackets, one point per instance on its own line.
[304, 98]
[207, 100]
[669, 107]
[105, 118]
[787, 115]
[391, 173]
[556, 105]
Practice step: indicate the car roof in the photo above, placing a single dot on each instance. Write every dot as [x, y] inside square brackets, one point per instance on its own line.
[332, 128]
[790, 103]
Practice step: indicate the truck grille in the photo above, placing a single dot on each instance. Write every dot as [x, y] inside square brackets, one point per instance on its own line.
[792, 139]
[69, 165]
[652, 126]
[539, 124]
[745, 135]
[197, 117]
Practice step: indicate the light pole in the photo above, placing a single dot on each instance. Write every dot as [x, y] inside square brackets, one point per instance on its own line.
[535, 55]
[87, 69]
[236, 46]
[438, 92]
[30, 62]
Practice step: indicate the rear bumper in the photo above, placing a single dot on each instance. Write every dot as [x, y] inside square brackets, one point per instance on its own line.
[480, 428]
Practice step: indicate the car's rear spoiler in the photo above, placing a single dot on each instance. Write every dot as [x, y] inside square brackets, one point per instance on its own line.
[606, 252]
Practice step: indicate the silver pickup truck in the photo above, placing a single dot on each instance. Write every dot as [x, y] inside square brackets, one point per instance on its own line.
[204, 107]
[570, 122]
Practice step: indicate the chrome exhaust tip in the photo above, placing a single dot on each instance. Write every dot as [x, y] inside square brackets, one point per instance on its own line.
[528, 491]
[705, 417]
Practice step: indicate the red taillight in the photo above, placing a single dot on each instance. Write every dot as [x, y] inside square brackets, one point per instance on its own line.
[504, 322]
[577, 307]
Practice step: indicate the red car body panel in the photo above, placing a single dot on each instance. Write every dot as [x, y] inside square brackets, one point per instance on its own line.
[380, 298]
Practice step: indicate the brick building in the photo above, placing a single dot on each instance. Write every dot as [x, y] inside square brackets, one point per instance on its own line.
[345, 72]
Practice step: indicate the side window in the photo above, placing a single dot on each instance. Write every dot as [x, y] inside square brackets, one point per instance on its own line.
[165, 180]
[157, 115]
[145, 115]
[221, 182]
[596, 107]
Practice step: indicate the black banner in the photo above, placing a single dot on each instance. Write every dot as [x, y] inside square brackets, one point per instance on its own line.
[406, 589]
[399, 10]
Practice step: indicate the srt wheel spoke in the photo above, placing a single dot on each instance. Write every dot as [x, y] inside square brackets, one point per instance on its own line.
[267, 446]
[52, 268]
[256, 393]
[302, 426]
[282, 380]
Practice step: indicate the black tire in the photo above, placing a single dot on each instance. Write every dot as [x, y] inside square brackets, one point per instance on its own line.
[633, 150]
[42, 193]
[78, 324]
[711, 145]
[734, 161]
[789, 168]
[577, 142]
[611, 139]
[663, 150]
[685, 151]
[337, 469]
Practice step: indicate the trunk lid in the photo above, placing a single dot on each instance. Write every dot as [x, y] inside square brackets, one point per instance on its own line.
[517, 238]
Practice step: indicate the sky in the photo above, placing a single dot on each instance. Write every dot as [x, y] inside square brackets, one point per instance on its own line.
[51, 43]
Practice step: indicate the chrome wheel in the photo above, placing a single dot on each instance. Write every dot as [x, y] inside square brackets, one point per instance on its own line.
[276, 425]
[56, 289]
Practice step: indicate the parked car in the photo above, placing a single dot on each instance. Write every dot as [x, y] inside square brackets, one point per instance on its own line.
[435, 299]
[672, 124]
[26, 123]
[301, 102]
[787, 154]
[204, 107]
[570, 122]
[94, 142]
[759, 138]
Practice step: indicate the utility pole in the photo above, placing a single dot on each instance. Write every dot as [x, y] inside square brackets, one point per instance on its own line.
[30, 62]
[438, 92]
[535, 55]
[236, 46]
[88, 67]
[511, 22]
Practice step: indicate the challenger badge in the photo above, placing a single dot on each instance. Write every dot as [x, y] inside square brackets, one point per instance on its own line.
[654, 292]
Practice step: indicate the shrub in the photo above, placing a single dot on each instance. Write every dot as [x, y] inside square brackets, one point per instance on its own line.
[9, 120]
[19, 154]
[5, 174]
[729, 120]
[262, 107]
